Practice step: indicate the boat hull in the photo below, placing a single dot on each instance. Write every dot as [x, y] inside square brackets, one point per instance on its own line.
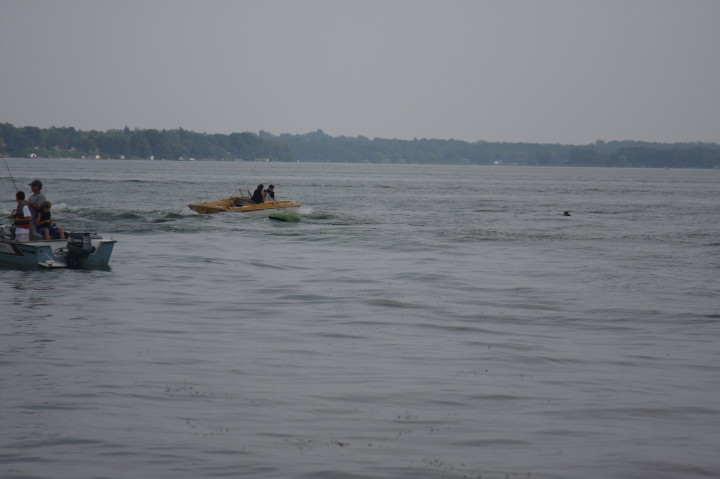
[52, 254]
[251, 209]
[288, 208]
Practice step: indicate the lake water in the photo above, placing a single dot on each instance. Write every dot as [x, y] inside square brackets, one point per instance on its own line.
[419, 322]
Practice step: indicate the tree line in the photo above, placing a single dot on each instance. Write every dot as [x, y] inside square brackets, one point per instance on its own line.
[150, 143]
[319, 147]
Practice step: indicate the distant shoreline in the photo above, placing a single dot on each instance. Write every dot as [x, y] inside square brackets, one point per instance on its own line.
[317, 147]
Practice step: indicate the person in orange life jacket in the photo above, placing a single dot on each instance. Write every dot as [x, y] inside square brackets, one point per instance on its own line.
[22, 218]
[45, 225]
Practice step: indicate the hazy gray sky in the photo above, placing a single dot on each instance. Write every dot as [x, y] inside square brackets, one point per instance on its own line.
[548, 71]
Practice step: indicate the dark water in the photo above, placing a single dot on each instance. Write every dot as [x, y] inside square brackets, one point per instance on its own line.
[418, 322]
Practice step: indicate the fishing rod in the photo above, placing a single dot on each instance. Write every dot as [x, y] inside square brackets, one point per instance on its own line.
[11, 176]
[13, 180]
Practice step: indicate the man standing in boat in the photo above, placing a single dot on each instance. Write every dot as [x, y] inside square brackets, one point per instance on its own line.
[34, 202]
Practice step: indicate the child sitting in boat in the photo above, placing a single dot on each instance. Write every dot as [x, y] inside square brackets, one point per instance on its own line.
[45, 225]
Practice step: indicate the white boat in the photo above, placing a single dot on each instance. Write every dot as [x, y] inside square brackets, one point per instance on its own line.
[78, 251]
[242, 204]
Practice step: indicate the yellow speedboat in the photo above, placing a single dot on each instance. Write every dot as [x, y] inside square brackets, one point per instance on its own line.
[242, 204]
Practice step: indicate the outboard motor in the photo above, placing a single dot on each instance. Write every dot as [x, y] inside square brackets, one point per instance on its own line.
[79, 247]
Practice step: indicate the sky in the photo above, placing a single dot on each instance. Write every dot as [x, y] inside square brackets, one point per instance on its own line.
[539, 71]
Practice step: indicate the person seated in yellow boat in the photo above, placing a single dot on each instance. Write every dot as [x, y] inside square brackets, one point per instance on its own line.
[258, 196]
[269, 192]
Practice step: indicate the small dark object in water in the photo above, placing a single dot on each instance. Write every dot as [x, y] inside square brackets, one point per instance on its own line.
[284, 217]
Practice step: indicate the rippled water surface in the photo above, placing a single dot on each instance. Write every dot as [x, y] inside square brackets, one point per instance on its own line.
[417, 322]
